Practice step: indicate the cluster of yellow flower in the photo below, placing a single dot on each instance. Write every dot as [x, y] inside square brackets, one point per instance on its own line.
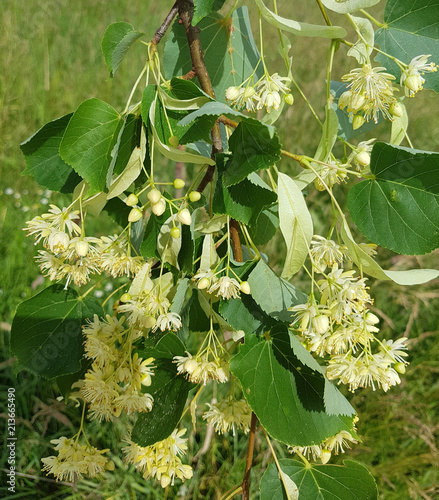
[340, 324]
[161, 460]
[115, 380]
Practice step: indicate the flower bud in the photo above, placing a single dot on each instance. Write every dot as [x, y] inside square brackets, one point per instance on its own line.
[345, 99]
[320, 324]
[134, 215]
[325, 456]
[289, 99]
[173, 141]
[184, 216]
[194, 196]
[400, 368]
[131, 200]
[363, 158]
[81, 248]
[175, 232]
[178, 183]
[159, 208]
[396, 109]
[413, 82]
[125, 297]
[357, 102]
[154, 196]
[165, 480]
[245, 287]
[372, 319]
[148, 321]
[203, 283]
[238, 335]
[249, 92]
[358, 122]
[232, 93]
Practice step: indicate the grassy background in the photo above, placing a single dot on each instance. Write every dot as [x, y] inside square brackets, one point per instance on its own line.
[51, 61]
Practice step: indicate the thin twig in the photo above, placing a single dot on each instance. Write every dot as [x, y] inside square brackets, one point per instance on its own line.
[186, 9]
[158, 35]
[248, 466]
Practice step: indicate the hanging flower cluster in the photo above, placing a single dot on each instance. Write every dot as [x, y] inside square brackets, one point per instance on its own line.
[161, 460]
[76, 460]
[266, 93]
[341, 326]
[115, 381]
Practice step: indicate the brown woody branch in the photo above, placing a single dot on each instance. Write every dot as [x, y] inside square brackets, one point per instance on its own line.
[245, 486]
[186, 9]
[158, 35]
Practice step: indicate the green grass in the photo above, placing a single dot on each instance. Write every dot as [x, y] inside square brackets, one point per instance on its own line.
[51, 62]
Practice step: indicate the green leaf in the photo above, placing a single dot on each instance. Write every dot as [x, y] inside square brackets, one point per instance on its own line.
[168, 247]
[410, 30]
[369, 266]
[46, 333]
[284, 401]
[243, 201]
[399, 208]
[229, 50]
[266, 226]
[359, 50]
[170, 152]
[89, 139]
[180, 296]
[200, 130]
[117, 39]
[129, 140]
[212, 109]
[299, 29]
[399, 127]
[273, 294]
[244, 314]
[295, 224]
[350, 481]
[254, 146]
[198, 320]
[348, 6]
[162, 346]
[43, 162]
[201, 9]
[65, 382]
[170, 392]
[148, 248]
[131, 172]
[118, 211]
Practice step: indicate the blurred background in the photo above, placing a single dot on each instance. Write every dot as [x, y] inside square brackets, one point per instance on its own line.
[51, 61]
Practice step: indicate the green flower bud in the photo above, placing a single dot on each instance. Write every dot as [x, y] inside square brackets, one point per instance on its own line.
[159, 208]
[184, 216]
[245, 287]
[135, 215]
[249, 92]
[400, 368]
[289, 99]
[396, 109]
[178, 183]
[194, 196]
[125, 297]
[325, 456]
[174, 141]
[363, 158]
[175, 232]
[232, 93]
[203, 283]
[358, 122]
[131, 200]
[154, 196]
[413, 83]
